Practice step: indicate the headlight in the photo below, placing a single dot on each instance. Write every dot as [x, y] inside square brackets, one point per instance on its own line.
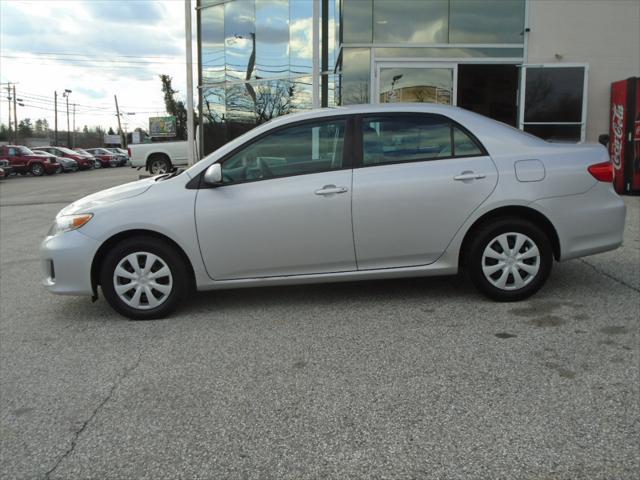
[67, 223]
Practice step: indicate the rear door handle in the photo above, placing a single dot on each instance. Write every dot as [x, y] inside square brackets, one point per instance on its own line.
[331, 190]
[469, 176]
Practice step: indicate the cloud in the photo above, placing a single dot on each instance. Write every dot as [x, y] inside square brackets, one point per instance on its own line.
[136, 12]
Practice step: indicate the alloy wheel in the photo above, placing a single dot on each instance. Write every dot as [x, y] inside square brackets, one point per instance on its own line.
[511, 261]
[142, 280]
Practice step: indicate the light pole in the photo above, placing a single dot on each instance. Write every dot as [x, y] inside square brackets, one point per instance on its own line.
[66, 94]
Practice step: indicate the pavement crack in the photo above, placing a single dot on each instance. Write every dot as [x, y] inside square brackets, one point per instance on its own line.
[608, 275]
[76, 435]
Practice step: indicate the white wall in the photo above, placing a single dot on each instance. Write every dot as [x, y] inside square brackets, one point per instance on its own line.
[603, 33]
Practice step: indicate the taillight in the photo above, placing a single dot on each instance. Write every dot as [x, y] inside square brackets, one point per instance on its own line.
[603, 172]
[129, 152]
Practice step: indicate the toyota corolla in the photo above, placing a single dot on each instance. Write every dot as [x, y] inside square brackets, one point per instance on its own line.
[356, 193]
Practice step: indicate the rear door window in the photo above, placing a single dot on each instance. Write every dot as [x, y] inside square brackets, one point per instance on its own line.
[411, 138]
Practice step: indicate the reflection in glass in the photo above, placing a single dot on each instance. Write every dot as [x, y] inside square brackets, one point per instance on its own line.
[445, 52]
[413, 21]
[301, 94]
[213, 61]
[356, 75]
[556, 133]
[357, 18]
[486, 21]
[240, 35]
[300, 37]
[272, 38]
[554, 94]
[422, 85]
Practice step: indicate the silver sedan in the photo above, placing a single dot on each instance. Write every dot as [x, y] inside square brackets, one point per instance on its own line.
[356, 193]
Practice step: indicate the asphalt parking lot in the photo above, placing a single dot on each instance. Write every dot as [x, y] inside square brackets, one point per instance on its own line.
[418, 378]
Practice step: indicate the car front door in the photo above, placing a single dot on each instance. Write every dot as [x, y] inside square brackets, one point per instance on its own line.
[418, 179]
[16, 159]
[284, 207]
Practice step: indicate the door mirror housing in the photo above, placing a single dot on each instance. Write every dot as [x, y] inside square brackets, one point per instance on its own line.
[213, 174]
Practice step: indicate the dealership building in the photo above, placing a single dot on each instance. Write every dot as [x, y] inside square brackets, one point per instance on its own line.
[544, 66]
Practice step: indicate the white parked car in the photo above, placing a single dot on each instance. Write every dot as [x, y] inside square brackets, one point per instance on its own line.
[355, 193]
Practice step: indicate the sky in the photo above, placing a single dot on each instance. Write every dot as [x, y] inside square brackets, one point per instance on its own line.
[96, 49]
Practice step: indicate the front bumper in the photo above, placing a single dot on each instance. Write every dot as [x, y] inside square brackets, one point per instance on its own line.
[66, 263]
[52, 167]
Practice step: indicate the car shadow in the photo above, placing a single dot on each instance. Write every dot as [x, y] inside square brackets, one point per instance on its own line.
[314, 295]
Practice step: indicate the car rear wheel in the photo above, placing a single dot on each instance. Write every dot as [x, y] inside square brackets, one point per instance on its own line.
[509, 259]
[159, 166]
[37, 170]
[144, 278]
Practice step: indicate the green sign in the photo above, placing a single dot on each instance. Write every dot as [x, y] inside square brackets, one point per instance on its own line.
[162, 126]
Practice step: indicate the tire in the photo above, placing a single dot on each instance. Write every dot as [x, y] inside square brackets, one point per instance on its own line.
[37, 170]
[169, 290]
[159, 165]
[509, 276]
[97, 164]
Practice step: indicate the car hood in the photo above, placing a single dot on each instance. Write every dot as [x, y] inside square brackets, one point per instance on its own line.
[108, 196]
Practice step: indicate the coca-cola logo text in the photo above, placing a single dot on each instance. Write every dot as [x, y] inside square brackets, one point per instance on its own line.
[617, 125]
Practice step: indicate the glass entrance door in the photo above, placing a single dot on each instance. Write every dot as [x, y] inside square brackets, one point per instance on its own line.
[418, 82]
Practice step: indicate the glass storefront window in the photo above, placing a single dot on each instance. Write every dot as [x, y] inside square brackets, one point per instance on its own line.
[213, 59]
[300, 37]
[356, 75]
[486, 21]
[272, 38]
[412, 21]
[554, 94]
[416, 85]
[446, 52]
[240, 39]
[357, 21]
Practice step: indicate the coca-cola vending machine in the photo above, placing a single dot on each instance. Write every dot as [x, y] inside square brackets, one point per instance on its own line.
[624, 135]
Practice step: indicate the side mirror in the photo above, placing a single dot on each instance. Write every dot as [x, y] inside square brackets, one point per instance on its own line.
[213, 174]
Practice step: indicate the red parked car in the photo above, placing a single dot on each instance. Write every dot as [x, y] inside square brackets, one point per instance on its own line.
[23, 160]
[84, 163]
[107, 158]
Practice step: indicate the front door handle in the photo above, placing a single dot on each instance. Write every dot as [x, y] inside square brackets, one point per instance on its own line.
[465, 176]
[331, 190]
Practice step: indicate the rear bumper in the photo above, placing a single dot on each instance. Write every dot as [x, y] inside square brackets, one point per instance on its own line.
[66, 263]
[589, 223]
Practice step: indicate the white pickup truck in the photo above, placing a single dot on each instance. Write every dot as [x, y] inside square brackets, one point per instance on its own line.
[159, 157]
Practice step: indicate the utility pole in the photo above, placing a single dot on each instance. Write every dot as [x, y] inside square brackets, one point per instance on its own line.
[73, 138]
[68, 129]
[55, 106]
[190, 124]
[15, 115]
[123, 140]
[9, 104]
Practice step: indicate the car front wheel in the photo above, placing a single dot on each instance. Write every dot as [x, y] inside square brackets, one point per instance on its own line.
[509, 259]
[37, 170]
[144, 278]
[159, 166]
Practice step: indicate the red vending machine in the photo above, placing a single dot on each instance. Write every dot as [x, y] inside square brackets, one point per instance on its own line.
[624, 135]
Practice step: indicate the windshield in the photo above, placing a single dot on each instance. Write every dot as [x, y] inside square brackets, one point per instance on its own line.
[82, 151]
[25, 151]
[68, 151]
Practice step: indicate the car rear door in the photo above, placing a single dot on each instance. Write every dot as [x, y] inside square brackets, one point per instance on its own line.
[419, 177]
[284, 207]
